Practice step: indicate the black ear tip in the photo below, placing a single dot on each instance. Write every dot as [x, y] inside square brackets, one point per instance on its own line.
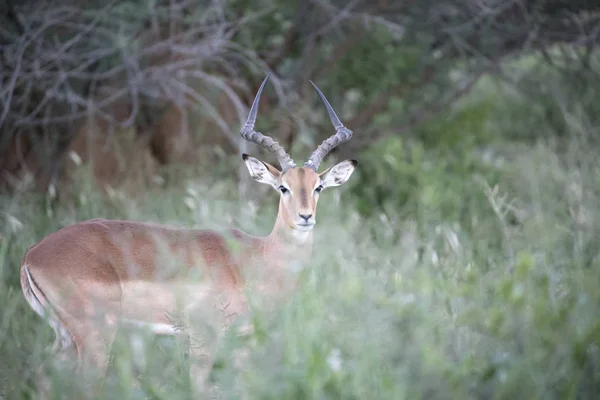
[245, 156]
[354, 163]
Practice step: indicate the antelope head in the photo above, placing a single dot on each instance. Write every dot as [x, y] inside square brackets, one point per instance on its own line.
[298, 187]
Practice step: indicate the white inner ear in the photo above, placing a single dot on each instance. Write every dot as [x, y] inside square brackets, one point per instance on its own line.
[338, 174]
[259, 172]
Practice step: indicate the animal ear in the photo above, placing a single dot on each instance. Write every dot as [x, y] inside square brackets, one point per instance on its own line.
[338, 174]
[262, 171]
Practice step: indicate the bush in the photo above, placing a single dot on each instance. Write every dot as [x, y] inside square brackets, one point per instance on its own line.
[461, 262]
[389, 308]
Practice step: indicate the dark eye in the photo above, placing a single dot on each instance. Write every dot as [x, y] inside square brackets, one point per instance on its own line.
[283, 189]
[319, 188]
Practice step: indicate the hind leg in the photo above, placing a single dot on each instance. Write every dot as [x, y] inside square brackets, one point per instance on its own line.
[90, 316]
[93, 344]
[63, 358]
[93, 327]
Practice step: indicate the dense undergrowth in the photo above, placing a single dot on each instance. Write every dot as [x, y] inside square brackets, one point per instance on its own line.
[468, 269]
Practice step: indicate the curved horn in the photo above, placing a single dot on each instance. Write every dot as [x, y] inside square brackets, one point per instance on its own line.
[342, 134]
[266, 142]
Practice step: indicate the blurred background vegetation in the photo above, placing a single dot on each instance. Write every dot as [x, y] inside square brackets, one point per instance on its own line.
[462, 259]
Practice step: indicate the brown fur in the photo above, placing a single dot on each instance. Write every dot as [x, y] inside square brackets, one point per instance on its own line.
[88, 277]
[80, 273]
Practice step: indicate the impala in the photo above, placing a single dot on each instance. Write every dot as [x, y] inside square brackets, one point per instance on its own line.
[87, 278]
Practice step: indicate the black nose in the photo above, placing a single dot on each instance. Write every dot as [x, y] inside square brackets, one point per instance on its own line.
[306, 217]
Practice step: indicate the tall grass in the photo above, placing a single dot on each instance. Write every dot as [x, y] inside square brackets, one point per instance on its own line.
[502, 303]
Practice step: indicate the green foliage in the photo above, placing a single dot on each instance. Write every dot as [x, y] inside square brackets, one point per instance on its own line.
[386, 310]
[546, 101]
[456, 264]
[362, 71]
[434, 178]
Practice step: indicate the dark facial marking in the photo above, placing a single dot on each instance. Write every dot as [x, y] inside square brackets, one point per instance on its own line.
[303, 198]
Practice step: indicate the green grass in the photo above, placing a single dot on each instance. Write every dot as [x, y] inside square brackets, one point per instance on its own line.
[463, 264]
[501, 302]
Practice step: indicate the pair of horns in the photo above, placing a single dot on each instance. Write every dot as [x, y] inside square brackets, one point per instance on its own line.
[342, 134]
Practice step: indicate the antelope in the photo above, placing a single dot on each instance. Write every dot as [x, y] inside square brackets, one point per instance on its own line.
[86, 278]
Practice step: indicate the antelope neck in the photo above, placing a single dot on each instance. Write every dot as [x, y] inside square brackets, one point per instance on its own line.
[294, 243]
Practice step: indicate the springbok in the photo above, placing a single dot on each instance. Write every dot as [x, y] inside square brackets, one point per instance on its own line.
[87, 278]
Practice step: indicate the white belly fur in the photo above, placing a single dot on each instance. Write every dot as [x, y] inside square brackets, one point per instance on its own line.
[155, 304]
[156, 328]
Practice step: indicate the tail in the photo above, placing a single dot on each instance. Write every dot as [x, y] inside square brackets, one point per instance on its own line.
[40, 304]
[33, 294]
